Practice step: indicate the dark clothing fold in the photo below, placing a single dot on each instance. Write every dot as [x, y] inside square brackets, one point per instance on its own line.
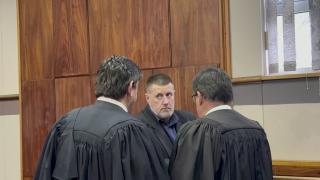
[148, 117]
[101, 141]
[224, 145]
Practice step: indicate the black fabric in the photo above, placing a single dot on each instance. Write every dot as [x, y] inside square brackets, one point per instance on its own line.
[170, 127]
[101, 141]
[148, 117]
[223, 145]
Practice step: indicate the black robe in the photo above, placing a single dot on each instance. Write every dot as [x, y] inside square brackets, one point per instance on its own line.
[101, 141]
[148, 117]
[222, 145]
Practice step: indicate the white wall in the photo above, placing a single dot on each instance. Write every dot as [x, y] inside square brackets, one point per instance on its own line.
[10, 158]
[10, 155]
[246, 38]
[9, 81]
[292, 129]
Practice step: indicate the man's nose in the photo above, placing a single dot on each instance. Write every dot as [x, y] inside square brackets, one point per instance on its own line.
[165, 100]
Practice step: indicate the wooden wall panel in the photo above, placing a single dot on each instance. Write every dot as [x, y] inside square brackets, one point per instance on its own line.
[141, 101]
[93, 88]
[196, 35]
[38, 116]
[71, 45]
[175, 75]
[72, 92]
[62, 40]
[296, 168]
[138, 29]
[36, 39]
[187, 75]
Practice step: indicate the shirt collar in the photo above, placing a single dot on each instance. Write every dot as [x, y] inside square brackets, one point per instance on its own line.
[113, 101]
[217, 108]
[171, 121]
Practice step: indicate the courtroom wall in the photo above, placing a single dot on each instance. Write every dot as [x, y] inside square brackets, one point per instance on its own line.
[10, 140]
[63, 42]
[288, 109]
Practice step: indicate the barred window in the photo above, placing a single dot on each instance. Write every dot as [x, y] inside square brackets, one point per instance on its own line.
[292, 36]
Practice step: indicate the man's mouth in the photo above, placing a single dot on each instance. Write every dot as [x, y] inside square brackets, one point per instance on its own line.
[166, 109]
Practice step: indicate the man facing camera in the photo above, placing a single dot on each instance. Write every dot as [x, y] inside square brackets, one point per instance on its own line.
[160, 114]
[222, 144]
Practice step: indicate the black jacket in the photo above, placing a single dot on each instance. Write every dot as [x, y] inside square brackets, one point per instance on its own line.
[148, 117]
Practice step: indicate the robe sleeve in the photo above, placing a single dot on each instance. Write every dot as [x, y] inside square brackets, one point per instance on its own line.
[47, 159]
[198, 145]
[53, 154]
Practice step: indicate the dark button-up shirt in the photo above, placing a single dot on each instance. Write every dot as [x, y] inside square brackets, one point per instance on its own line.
[170, 126]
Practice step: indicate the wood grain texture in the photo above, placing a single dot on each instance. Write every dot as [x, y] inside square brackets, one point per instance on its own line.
[141, 100]
[296, 168]
[196, 33]
[225, 43]
[187, 74]
[72, 92]
[38, 116]
[9, 97]
[293, 178]
[71, 44]
[36, 39]
[137, 29]
[93, 88]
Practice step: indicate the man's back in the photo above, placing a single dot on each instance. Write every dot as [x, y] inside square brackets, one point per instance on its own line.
[100, 141]
[222, 145]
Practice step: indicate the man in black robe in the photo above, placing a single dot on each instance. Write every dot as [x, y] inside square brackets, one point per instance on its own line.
[102, 141]
[160, 114]
[222, 144]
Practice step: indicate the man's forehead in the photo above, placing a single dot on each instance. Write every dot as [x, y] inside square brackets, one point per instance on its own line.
[155, 88]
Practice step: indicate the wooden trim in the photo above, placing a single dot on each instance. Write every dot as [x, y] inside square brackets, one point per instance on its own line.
[296, 168]
[293, 178]
[9, 97]
[291, 76]
[225, 34]
[251, 79]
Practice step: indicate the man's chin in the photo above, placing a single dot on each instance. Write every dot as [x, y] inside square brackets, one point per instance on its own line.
[165, 115]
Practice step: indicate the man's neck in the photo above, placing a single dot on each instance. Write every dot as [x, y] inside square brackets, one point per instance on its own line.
[207, 106]
[121, 102]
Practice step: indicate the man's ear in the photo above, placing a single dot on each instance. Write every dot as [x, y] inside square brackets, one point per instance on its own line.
[130, 89]
[147, 96]
[200, 97]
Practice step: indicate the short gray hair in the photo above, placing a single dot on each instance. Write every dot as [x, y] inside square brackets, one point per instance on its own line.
[158, 79]
[214, 84]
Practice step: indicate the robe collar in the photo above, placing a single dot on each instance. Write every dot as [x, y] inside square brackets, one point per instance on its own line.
[217, 108]
[113, 101]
